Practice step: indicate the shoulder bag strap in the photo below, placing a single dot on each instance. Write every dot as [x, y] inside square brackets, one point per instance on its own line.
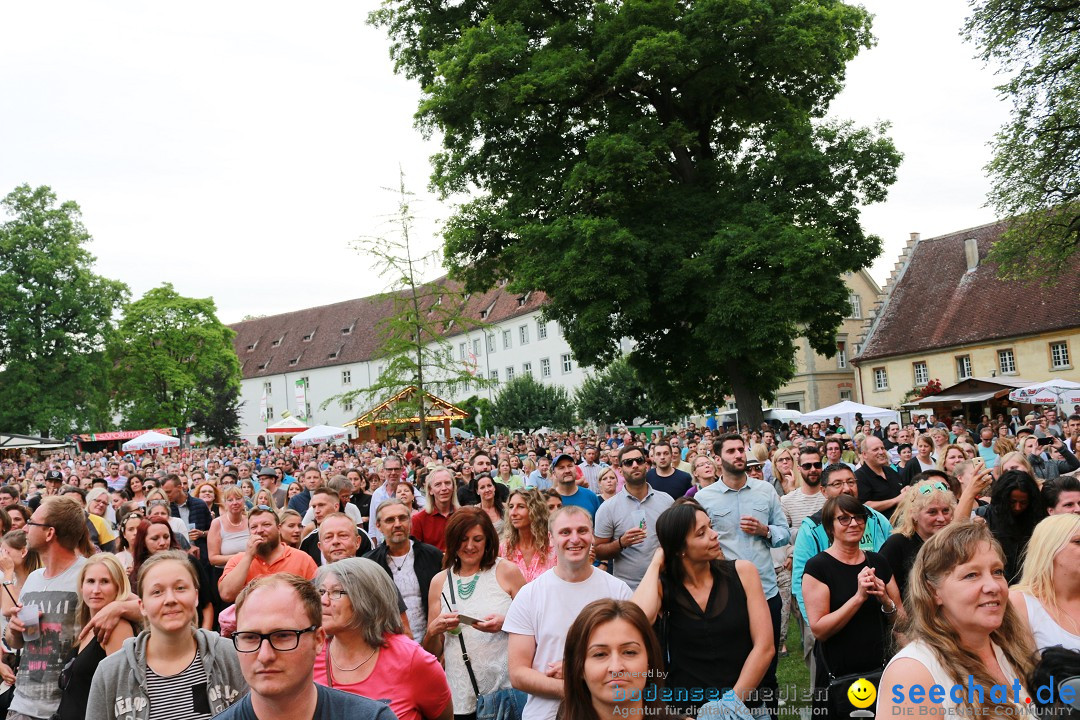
[461, 637]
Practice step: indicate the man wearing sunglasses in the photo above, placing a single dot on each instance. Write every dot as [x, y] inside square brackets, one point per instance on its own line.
[836, 479]
[277, 647]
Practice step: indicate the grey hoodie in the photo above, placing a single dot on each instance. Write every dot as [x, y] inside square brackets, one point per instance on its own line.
[118, 690]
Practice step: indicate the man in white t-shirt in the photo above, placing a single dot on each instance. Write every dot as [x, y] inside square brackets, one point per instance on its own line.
[541, 614]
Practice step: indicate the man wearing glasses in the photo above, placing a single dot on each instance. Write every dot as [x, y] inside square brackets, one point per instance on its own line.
[836, 479]
[277, 647]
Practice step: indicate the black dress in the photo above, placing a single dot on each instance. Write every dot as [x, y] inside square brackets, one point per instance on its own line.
[79, 673]
[705, 650]
[859, 646]
[900, 551]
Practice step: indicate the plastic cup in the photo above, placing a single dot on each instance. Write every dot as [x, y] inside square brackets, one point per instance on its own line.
[30, 615]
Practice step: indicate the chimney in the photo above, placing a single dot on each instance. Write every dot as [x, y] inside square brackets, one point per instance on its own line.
[915, 237]
[971, 253]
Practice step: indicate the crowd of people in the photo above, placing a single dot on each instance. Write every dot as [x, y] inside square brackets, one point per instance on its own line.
[572, 575]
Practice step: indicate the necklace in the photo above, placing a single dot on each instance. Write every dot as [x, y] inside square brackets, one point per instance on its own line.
[398, 566]
[465, 590]
[344, 669]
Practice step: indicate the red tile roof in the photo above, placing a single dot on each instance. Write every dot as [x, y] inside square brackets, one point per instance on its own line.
[936, 303]
[276, 344]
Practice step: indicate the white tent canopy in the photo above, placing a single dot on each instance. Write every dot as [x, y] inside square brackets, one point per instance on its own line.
[288, 426]
[846, 410]
[320, 434]
[151, 440]
[1051, 392]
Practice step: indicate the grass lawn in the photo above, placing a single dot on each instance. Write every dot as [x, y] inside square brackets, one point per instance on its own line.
[793, 676]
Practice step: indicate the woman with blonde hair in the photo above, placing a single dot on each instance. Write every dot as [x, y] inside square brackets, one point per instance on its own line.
[949, 457]
[925, 509]
[1047, 598]
[786, 475]
[525, 538]
[228, 534]
[1015, 460]
[960, 629]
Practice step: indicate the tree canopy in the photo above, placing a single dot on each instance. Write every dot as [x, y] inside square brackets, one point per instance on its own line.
[172, 360]
[1036, 165]
[525, 404]
[618, 395]
[661, 169]
[57, 316]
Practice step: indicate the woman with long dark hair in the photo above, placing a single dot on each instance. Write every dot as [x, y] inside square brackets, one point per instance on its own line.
[1015, 508]
[715, 625]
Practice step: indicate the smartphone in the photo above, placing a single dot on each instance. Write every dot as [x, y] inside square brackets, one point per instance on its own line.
[466, 620]
[1046, 441]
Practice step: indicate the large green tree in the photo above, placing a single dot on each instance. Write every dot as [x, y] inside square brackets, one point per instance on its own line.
[1036, 165]
[525, 404]
[662, 169]
[617, 394]
[55, 316]
[413, 336]
[172, 360]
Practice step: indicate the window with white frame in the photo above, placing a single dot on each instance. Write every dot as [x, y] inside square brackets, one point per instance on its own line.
[545, 367]
[491, 342]
[347, 406]
[476, 347]
[1059, 355]
[468, 386]
[269, 412]
[567, 363]
[462, 350]
[856, 305]
[526, 369]
[1006, 362]
[306, 381]
[523, 335]
[494, 376]
[881, 379]
[841, 355]
[541, 330]
[963, 367]
[346, 377]
[509, 374]
[268, 388]
[506, 339]
[922, 374]
[845, 394]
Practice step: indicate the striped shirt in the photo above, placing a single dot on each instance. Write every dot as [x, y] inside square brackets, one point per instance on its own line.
[179, 697]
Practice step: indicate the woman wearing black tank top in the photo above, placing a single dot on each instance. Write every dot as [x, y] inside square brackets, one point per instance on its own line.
[714, 624]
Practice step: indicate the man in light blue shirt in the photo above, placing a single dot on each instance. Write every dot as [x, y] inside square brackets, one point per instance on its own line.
[986, 448]
[747, 515]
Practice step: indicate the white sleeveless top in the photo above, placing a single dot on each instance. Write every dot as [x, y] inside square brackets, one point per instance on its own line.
[921, 653]
[1045, 629]
[488, 652]
[233, 542]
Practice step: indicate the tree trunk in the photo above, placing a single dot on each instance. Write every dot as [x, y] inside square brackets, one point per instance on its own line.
[746, 400]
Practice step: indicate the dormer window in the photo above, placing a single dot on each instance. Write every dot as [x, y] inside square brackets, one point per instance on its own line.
[295, 361]
[347, 330]
[252, 346]
[307, 338]
[265, 364]
[523, 299]
[484, 313]
[277, 343]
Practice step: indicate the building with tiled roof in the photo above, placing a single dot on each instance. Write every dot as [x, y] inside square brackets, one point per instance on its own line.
[946, 315]
[332, 349]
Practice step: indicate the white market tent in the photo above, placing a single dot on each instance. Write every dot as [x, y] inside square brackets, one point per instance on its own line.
[320, 434]
[151, 440]
[287, 426]
[1051, 392]
[846, 410]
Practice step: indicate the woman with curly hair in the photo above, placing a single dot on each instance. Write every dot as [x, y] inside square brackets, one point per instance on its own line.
[525, 540]
[961, 630]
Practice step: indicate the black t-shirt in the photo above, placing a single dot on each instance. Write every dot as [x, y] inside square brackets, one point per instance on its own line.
[859, 646]
[876, 487]
[900, 551]
[676, 484]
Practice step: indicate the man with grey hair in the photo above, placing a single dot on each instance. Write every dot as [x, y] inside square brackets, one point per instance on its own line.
[411, 563]
[879, 485]
[538, 635]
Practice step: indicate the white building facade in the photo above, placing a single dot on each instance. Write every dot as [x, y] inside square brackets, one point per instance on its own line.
[297, 361]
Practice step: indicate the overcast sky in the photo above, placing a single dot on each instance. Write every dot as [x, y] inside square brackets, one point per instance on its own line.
[238, 149]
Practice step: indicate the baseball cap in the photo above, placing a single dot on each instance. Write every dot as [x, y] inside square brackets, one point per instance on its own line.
[555, 460]
[54, 476]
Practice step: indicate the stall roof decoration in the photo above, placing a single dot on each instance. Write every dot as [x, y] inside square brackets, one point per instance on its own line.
[121, 434]
[287, 426]
[386, 412]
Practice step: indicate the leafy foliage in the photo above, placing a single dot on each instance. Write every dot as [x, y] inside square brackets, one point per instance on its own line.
[217, 415]
[525, 404]
[413, 334]
[474, 406]
[618, 395]
[659, 168]
[57, 316]
[172, 361]
[1036, 163]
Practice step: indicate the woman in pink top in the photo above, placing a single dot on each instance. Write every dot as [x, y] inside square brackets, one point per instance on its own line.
[525, 535]
[366, 652]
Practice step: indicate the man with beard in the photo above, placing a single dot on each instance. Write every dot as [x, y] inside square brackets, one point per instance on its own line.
[798, 505]
[836, 479]
[747, 515]
[265, 555]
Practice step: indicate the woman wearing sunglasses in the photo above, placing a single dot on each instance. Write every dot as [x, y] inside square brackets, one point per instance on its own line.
[925, 510]
[850, 597]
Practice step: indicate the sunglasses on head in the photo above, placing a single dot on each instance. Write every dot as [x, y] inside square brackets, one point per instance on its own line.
[927, 489]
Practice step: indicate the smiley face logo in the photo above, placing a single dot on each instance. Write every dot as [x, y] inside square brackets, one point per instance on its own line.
[862, 693]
